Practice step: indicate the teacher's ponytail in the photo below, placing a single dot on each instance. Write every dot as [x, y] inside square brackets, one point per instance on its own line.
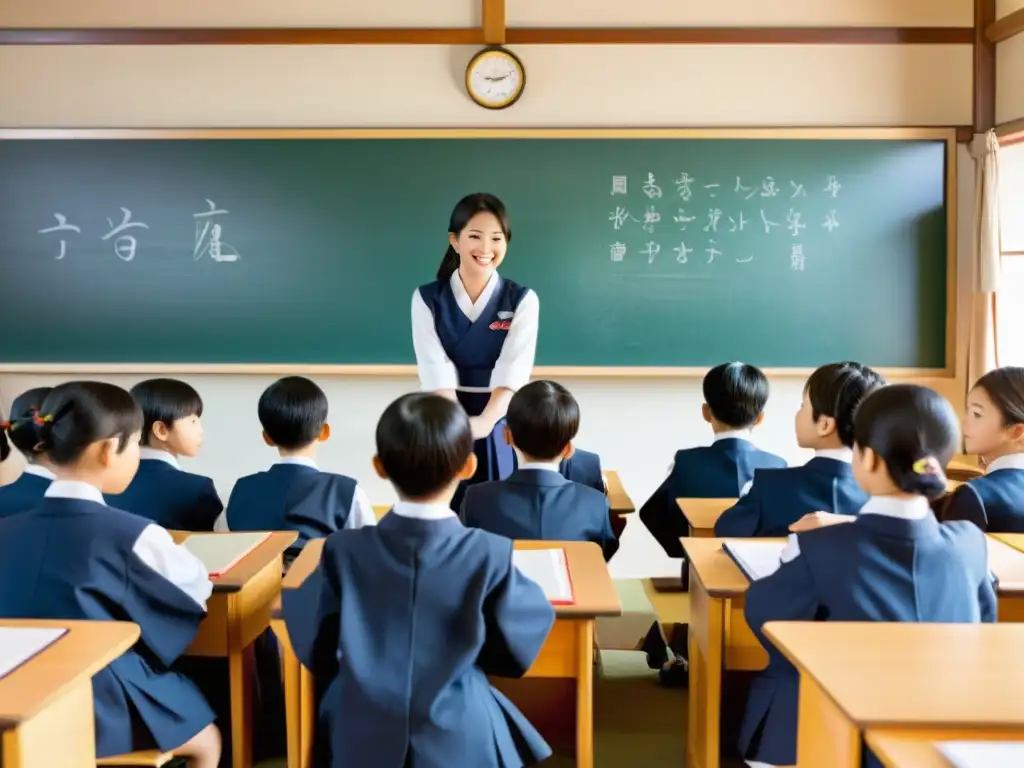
[466, 209]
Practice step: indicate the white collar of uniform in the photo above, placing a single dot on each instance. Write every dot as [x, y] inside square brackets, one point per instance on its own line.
[157, 455]
[550, 466]
[839, 454]
[74, 489]
[38, 471]
[1009, 461]
[416, 511]
[301, 461]
[734, 434]
[916, 508]
[469, 308]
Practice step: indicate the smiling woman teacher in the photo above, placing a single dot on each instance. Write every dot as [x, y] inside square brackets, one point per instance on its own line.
[475, 332]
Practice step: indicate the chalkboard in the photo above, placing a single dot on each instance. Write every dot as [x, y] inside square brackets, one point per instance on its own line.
[305, 249]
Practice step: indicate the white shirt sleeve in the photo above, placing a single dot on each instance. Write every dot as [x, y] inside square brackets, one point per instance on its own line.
[746, 488]
[361, 513]
[435, 370]
[221, 524]
[515, 363]
[157, 549]
[792, 549]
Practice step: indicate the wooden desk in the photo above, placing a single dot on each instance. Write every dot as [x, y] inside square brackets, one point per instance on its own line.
[934, 681]
[1015, 540]
[237, 613]
[46, 706]
[702, 514]
[963, 468]
[618, 499]
[720, 640]
[379, 510]
[568, 653]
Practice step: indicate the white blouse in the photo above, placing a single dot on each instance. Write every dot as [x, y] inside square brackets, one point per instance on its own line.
[515, 363]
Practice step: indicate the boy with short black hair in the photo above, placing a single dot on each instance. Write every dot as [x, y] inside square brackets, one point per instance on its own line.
[536, 501]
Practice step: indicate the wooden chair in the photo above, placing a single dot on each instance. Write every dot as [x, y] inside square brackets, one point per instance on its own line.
[148, 758]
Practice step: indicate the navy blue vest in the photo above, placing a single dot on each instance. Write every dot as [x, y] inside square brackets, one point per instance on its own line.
[170, 497]
[23, 494]
[994, 502]
[474, 347]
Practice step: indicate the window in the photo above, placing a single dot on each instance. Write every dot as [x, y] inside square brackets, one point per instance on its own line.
[1010, 310]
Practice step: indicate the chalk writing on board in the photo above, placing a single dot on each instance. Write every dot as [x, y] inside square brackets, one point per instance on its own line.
[793, 223]
[651, 217]
[619, 185]
[124, 245]
[208, 236]
[710, 187]
[833, 186]
[683, 186]
[683, 219]
[769, 188]
[682, 253]
[651, 188]
[798, 190]
[711, 251]
[618, 217]
[831, 222]
[61, 226]
[714, 216]
[618, 251]
[796, 257]
[767, 224]
[737, 224]
[651, 250]
[745, 261]
[741, 189]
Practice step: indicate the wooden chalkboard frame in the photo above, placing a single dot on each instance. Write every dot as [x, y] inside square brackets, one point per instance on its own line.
[943, 376]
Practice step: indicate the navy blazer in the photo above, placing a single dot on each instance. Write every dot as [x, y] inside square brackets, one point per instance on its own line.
[291, 497]
[23, 494]
[400, 625]
[716, 471]
[876, 568]
[993, 502]
[170, 497]
[780, 497]
[584, 468]
[541, 505]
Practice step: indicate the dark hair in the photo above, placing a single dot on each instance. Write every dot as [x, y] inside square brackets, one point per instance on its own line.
[915, 431]
[77, 414]
[466, 209]
[166, 401]
[423, 440]
[23, 431]
[543, 418]
[836, 389]
[293, 411]
[736, 393]
[1005, 388]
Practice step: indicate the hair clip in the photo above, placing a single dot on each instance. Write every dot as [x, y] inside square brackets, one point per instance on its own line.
[6, 425]
[42, 419]
[927, 466]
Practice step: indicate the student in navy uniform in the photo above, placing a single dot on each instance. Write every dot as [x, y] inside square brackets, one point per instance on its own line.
[735, 395]
[294, 494]
[73, 557]
[402, 622]
[777, 498]
[584, 467]
[891, 562]
[994, 431]
[536, 501]
[23, 433]
[475, 332]
[162, 491]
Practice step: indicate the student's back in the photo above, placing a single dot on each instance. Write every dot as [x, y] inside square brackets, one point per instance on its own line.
[22, 431]
[539, 503]
[25, 492]
[583, 467]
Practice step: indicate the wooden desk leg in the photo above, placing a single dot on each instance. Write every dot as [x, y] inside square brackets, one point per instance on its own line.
[707, 645]
[585, 694]
[290, 673]
[1011, 608]
[240, 671]
[307, 718]
[824, 735]
[63, 734]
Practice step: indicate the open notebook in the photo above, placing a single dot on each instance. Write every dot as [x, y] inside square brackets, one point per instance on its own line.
[982, 754]
[221, 551]
[756, 559]
[19, 644]
[549, 569]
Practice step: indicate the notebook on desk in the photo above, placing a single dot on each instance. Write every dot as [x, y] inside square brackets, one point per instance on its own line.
[982, 754]
[20, 644]
[756, 559]
[220, 552]
[550, 570]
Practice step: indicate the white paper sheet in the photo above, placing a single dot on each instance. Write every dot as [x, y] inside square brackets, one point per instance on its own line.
[19, 644]
[983, 754]
[220, 551]
[549, 569]
[756, 559]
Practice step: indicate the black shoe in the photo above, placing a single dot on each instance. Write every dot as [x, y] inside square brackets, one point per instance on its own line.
[655, 648]
[675, 674]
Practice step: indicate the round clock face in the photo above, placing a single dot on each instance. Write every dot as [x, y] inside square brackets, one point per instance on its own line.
[495, 78]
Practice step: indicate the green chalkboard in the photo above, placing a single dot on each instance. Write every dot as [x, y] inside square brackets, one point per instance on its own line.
[643, 251]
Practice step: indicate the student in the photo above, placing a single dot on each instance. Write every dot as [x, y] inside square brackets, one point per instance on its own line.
[584, 467]
[536, 501]
[402, 622]
[73, 557]
[474, 332]
[778, 498]
[294, 494]
[735, 395]
[994, 430]
[892, 562]
[161, 490]
[23, 433]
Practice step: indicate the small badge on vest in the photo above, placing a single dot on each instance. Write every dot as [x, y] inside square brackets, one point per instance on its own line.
[503, 323]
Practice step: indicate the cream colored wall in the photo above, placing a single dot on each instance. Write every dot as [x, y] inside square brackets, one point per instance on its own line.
[1006, 7]
[1010, 79]
[635, 425]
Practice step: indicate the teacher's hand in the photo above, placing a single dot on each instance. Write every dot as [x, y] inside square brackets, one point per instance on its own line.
[480, 427]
